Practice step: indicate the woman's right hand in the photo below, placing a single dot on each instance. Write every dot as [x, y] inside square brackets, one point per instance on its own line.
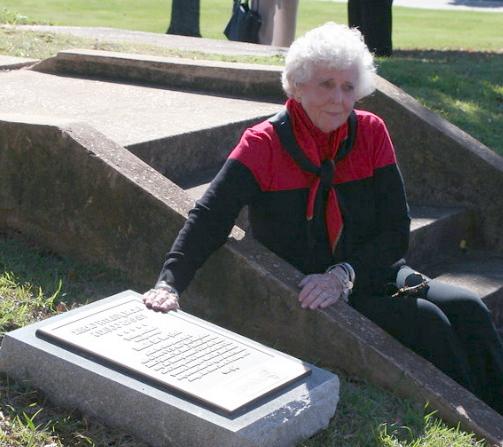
[161, 299]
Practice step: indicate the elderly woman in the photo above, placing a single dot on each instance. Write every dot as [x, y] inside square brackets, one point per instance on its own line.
[325, 193]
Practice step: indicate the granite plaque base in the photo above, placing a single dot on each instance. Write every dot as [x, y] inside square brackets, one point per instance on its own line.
[159, 415]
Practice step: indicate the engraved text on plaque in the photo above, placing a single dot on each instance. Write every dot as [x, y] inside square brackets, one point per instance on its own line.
[178, 351]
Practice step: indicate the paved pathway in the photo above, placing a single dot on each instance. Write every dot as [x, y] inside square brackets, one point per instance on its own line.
[455, 5]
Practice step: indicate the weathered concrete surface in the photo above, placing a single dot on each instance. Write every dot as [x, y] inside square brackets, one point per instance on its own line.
[176, 132]
[481, 272]
[437, 233]
[161, 418]
[230, 78]
[13, 63]
[60, 183]
[101, 202]
[128, 114]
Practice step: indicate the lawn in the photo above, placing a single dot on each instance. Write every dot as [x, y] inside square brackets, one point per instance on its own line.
[412, 28]
[36, 283]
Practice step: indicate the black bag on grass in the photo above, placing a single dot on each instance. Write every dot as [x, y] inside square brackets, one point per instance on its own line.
[244, 23]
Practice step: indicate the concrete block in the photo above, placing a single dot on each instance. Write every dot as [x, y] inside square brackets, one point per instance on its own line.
[156, 416]
[229, 78]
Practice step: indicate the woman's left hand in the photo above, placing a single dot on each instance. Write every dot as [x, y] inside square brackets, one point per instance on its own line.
[319, 291]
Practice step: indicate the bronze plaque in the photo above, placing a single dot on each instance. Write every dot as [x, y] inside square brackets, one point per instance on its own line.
[178, 351]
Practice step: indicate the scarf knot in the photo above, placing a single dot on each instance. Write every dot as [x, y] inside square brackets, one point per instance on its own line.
[326, 174]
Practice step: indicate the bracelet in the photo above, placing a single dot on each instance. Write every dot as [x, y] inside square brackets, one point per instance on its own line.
[345, 274]
[346, 267]
[168, 287]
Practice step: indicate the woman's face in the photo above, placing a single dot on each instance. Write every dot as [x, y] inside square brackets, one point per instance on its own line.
[328, 97]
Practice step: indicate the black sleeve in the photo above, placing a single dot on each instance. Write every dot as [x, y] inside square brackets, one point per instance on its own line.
[209, 223]
[374, 260]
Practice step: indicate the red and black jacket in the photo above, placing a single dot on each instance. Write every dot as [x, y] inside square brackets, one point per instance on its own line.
[260, 173]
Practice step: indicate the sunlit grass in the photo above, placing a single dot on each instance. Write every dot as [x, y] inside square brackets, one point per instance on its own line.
[466, 88]
[434, 434]
[21, 304]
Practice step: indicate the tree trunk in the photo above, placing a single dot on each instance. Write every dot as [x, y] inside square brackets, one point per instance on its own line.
[185, 18]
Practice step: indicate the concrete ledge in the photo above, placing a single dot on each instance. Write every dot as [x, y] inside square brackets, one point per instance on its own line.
[95, 191]
[236, 79]
[156, 416]
[436, 233]
[100, 202]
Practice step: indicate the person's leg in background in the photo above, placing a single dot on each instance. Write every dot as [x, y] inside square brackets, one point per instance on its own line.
[374, 20]
[285, 23]
[354, 14]
[279, 19]
[265, 8]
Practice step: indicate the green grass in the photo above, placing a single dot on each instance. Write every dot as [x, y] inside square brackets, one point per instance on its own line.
[412, 28]
[35, 284]
[466, 88]
[42, 45]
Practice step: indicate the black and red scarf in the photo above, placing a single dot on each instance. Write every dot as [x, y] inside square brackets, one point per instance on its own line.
[317, 153]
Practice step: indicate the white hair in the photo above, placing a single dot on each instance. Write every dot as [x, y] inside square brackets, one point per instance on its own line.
[333, 46]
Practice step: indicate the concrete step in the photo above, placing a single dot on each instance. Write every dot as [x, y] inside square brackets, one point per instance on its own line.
[436, 233]
[481, 272]
[223, 78]
[185, 155]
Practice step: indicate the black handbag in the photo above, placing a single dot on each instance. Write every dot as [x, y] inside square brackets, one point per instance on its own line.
[244, 23]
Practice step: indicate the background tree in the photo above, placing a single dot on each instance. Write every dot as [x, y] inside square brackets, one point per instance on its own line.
[185, 18]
